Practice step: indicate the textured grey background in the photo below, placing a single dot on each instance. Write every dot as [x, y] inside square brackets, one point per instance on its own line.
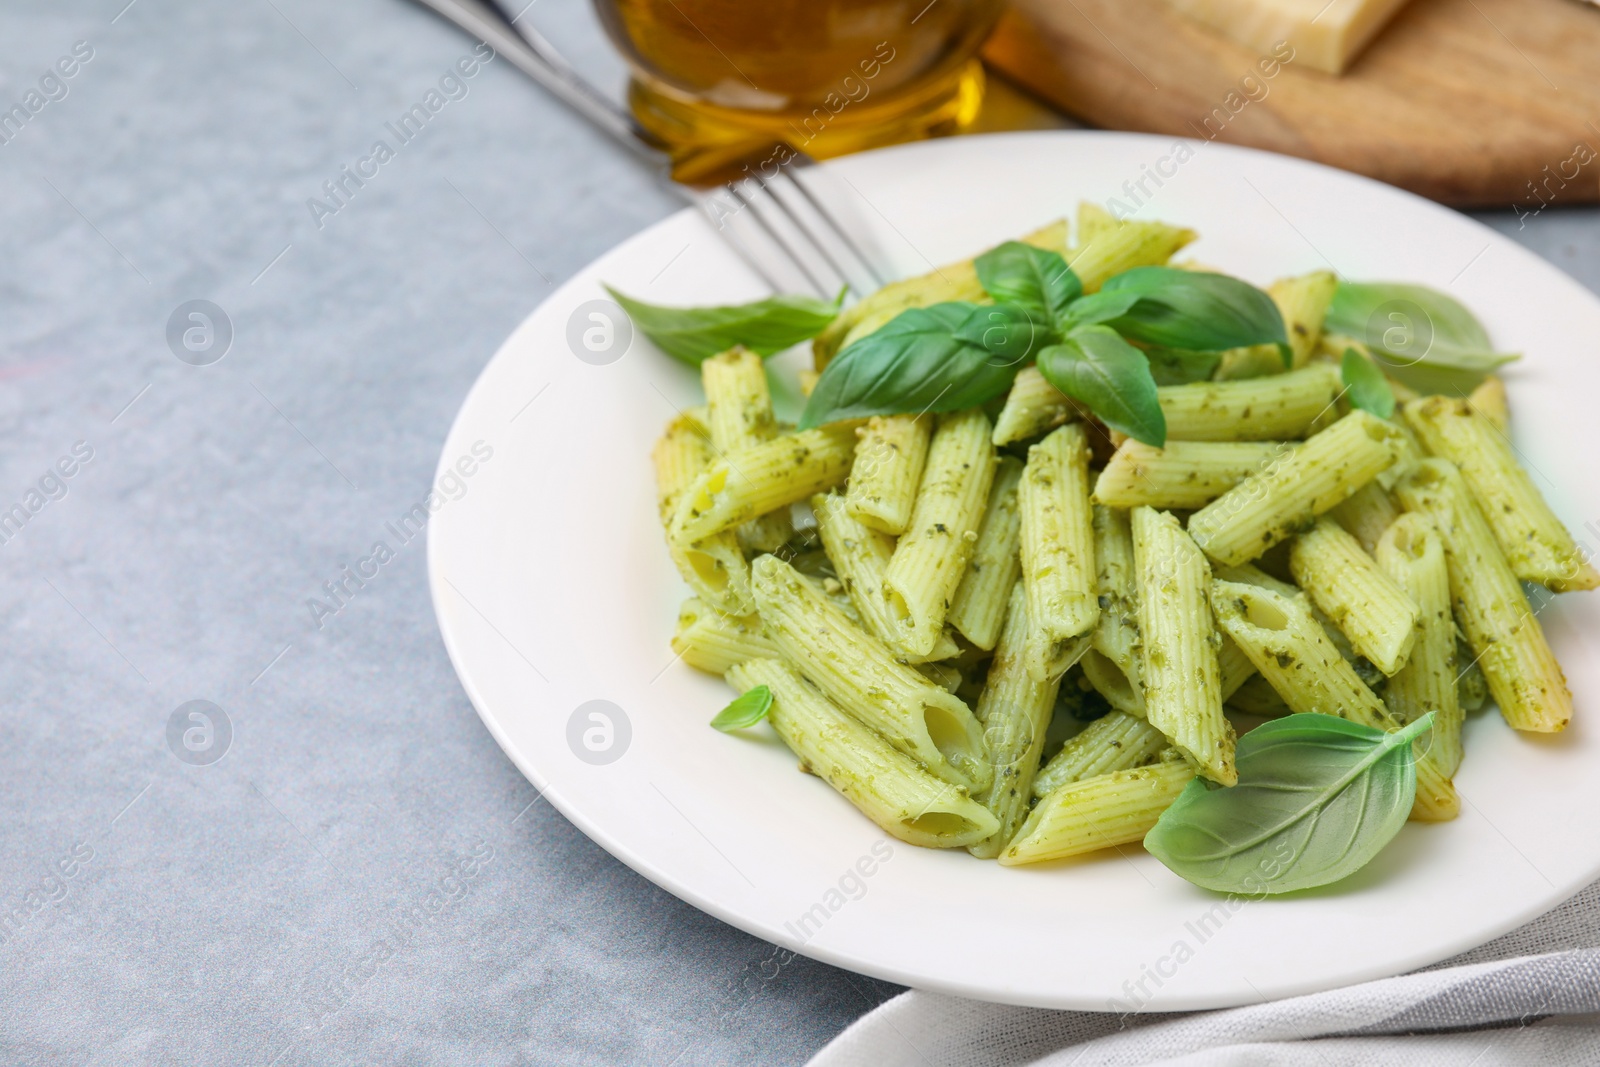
[312, 898]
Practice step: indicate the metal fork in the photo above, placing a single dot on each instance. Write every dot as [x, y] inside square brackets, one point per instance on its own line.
[792, 236]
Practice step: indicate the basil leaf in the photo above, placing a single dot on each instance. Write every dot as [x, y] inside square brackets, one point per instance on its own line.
[1098, 307]
[1318, 797]
[1034, 278]
[939, 358]
[1095, 366]
[1365, 385]
[1413, 324]
[744, 710]
[695, 334]
[1195, 310]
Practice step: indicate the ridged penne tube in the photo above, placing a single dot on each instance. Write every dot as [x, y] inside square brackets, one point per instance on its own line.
[1367, 513]
[860, 557]
[1015, 711]
[1112, 667]
[954, 281]
[712, 641]
[979, 607]
[1489, 400]
[890, 453]
[1278, 407]
[743, 485]
[1303, 302]
[1234, 668]
[714, 566]
[1182, 682]
[931, 556]
[1032, 406]
[1363, 601]
[1113, 742]
[1111, 682]
[1100, 812]
[1106, 249]
[1285, 497]
[1057, 548]
[1183, 475]
[1412, 553]
[739, 414]
[888, 787]
[1533, 539]
[1290, 649]
[1507, 641]
[859, 672]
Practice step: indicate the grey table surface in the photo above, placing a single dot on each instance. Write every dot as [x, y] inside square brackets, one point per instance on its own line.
[363, 877]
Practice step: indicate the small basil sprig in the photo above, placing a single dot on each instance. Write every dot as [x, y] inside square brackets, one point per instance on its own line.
[1030, 277]
[1318, 797]
[1195, 310]
[1095, 366]
[746, 709]
[1413, 324]
[1365, 385]
[694, 334]
[940, 358]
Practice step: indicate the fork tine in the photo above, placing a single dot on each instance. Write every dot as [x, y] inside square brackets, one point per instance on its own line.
[840, 231]
[771, 231]
[816, 242]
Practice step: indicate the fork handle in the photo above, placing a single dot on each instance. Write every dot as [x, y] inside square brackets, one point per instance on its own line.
[532, 54]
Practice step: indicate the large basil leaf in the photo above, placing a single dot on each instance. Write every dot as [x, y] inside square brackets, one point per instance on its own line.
[1413, 324]
[1093, 365]
[1198, 311]
[1365, 385]
[1034, 278]
[694, 334]
[940, 358]
[1318, 797]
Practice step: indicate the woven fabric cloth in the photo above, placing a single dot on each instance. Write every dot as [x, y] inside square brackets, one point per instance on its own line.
[1532, 996]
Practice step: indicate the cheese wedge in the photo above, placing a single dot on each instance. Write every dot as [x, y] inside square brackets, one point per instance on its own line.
[1324, 34]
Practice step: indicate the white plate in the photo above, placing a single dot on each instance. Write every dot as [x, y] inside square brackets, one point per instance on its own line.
[553, 589]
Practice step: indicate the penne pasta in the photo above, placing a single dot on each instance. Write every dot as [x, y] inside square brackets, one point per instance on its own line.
[712, 641]
[979, 606]
[1290, 493]
[1412, 553]
[1113, 742]
[1057, 549]
[1367, 514]
[860, 557]
[1294, 655]
[1112, 665]
[931, 557]
[1364, 602]
[888, 787]
[860, 673]
[1275, 408]
[1507, 641]
[739, 414]
[1015, 711]
[890, 453]
[1109, 246]
[1178, 668]
[1534, 541]
[1489, 400]
[738, 487]
[1183, 475]
[714, 566]
[1033, 406]
[1096, 813]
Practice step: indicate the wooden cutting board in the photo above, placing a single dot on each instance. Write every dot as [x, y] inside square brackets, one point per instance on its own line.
[1481, 103]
